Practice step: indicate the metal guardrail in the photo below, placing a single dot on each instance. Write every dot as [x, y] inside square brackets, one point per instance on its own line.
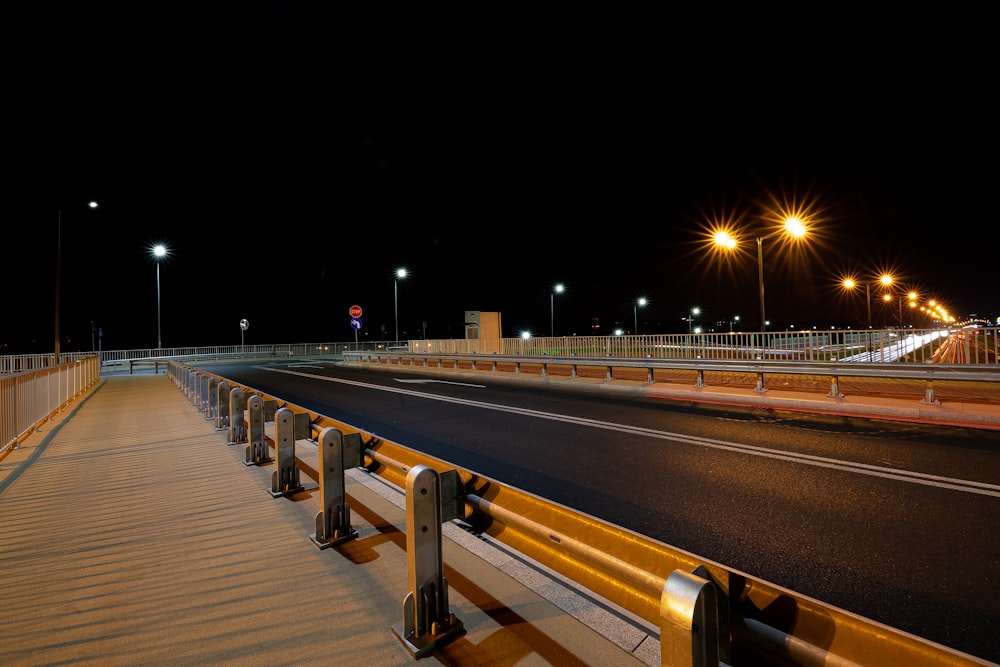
[705, 611]
[30, 397]
[610, 367]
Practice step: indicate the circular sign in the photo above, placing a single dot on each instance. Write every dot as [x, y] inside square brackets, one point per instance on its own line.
[356, 324]
[244, 324]
[355, 311]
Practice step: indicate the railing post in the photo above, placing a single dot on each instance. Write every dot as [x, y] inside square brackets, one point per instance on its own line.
[256, 451]
[237, 423]
[337, 453]
[689, 622]
[222, 407]
[285, 478]
[203, 394]
[835, 388]
[699, 382]
[212, 403]
[427, 620]
[929, 394]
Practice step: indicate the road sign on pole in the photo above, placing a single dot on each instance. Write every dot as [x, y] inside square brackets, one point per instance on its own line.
[355, 311]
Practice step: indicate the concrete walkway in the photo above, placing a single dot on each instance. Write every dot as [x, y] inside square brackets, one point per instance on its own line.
[131, 534]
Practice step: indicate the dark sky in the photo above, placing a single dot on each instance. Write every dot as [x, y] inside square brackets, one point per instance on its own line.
[292, 157]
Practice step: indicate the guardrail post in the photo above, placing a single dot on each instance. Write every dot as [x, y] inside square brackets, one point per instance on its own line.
[431, 499]
[835, 388]
[929, 394]
[285, 478]
[337, 453]
[189, 386]
[203, 394]
[257, 451]
[222, 407]
[237, 425]
[689, 621]
[212, 407]
[699, 382]
[760, 388]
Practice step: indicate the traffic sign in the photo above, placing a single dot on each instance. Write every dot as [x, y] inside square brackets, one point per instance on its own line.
[244, 324]
[355, 323]
[355, 311]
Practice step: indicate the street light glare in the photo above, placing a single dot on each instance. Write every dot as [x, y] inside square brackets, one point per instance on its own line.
[795, 227]
[159, 250]
[400, 273]
[724, 239]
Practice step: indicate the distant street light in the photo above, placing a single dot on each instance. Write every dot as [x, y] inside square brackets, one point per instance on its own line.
[55, 354]
[690, 318]
[400, 274]
[736, 318]
[159, 252]
[552, 308]
[635, 311]
[850, 283]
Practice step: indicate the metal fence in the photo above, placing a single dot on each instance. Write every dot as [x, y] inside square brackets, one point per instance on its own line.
[30, 397]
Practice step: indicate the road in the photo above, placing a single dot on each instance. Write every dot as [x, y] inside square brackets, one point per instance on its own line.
[896, 522]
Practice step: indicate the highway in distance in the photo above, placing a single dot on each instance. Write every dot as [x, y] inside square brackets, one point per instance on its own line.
[896, 522]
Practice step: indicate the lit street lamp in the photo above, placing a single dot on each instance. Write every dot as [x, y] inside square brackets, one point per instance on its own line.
[690, 318]
[159, 252]
[792, 226]
[635, 311]
[552, 308]
[400, 274]
[736, 318]
[55, 350]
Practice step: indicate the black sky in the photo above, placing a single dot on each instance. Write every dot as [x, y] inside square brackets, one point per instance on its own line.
[292, 157]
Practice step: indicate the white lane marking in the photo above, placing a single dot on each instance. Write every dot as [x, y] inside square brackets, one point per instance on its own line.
[461, 384]
[967, 486]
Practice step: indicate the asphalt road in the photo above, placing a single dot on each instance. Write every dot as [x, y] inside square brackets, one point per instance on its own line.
[894, 521]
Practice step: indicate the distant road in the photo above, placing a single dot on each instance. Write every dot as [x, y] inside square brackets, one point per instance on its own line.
[893, 521]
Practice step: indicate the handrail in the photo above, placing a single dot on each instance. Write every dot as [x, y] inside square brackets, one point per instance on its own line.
[630, 570]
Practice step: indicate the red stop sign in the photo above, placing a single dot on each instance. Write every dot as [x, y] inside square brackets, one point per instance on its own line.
[355, 311]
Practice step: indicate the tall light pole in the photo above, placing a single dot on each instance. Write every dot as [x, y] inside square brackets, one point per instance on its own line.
[159, 252]
[55, 348]
[558, 289]
[793, 227]
[635, 311]
[690, 319]
[400, 274]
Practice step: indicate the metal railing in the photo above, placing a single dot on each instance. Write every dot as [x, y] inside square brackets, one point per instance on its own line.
[31, 396]
[705, 611]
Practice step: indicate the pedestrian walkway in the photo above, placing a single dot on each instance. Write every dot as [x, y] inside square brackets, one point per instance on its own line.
[131, 534]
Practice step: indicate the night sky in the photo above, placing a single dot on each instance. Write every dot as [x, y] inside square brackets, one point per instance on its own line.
[291, 158]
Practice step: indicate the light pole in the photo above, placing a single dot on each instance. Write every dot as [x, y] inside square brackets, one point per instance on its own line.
[736, 318]
[159, 252]
[793, 227]
[690, 318]
[400, 274]
[552, 308]
[55, 349]
[635, 311]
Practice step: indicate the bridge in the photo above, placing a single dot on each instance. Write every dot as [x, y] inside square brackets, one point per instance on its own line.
[245, 538]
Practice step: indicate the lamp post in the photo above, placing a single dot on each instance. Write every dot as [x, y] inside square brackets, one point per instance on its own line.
[690, 318]
[55, 349]
[159, 252]
[558, 289]
[793, 227]
[736, 318]
[635, 311]
[400, 274]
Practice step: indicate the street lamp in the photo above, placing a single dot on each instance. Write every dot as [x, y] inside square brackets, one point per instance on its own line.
[793, 227]
[159, 252]
[690, 318]
[736, 318]
[635, 311]
[884, 280]
[552, 308]
[400, 274]
[55, 350]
